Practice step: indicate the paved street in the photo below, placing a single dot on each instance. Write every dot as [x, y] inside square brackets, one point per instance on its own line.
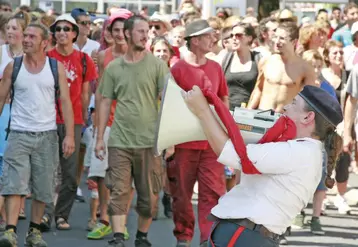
[341, 231]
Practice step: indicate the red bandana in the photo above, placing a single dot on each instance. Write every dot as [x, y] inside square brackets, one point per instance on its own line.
[283, 130]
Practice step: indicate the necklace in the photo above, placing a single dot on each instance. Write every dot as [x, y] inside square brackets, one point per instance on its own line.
[13, 54]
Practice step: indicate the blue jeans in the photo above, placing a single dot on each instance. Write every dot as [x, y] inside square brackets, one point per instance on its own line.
[224, 231]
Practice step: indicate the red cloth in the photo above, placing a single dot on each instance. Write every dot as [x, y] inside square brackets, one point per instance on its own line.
[209, 75]
[73, 68]
[188, 167]
[283, 130]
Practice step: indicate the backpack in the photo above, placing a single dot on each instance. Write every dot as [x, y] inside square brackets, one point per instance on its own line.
[54, 70]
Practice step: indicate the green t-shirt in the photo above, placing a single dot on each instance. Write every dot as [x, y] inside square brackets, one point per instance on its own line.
[136, 88]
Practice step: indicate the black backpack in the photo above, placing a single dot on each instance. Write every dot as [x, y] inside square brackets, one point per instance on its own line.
[54, 70]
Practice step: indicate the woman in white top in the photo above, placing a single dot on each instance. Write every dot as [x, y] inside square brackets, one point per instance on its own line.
[14, 36]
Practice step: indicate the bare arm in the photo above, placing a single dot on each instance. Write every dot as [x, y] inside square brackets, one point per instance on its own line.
[349, 117]
[310, 76]
[5, 85]
[103, 112]
[98, 96]
[66, 102]
[255, 97]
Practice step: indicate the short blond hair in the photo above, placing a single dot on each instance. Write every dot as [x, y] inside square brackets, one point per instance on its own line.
[312, 55]
[232, 21]
[306, 34]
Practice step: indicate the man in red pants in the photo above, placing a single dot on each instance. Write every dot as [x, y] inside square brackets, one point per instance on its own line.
[196, 161]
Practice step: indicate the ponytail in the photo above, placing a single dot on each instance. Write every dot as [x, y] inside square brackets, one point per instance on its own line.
[333, 146]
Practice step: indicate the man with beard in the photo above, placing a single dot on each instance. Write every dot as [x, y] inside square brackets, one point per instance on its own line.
[98, 167]
[135, 82]
[282, 75]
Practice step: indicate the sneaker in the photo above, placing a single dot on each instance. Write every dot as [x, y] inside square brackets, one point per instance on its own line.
[183, 243]
[8, 239]
[283, 240]
[316, 228]
[2, 225]
[99, 231]
[204, 244]
[116, 243]
[126, 234]
[167, 206]
[298, 222]
[342, 205]
[142, 242]
[91, 225]
[34, 239]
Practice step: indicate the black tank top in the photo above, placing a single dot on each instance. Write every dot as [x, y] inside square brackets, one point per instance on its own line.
[339, 89]
[241, 84]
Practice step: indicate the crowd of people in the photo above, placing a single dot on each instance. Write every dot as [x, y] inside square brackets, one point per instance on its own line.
[80, 96]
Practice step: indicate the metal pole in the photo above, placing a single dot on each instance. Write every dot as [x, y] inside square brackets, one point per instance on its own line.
[208, 7]
[63, 6]
[283, 4]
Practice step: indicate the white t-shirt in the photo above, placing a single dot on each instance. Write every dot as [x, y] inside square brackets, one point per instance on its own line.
[5, 59]
[349, 53]
[89, 47]
[290, 173]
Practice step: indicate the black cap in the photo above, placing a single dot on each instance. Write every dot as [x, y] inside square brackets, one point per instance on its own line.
[196, 28]
[323, 103]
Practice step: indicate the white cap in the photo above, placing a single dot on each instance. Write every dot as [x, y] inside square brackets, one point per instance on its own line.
[354, 28]
[69, 19]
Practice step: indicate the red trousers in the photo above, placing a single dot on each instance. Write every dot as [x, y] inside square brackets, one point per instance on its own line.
[188, 167]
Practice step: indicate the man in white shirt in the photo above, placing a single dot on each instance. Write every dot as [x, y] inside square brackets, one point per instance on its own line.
[278, 178]
[83, 43]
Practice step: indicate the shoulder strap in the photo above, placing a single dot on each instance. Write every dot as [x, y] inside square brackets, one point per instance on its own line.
[226, 61]
[15, 72]
[256, 56]
[1, 47]
[84, 66]
[54, 70]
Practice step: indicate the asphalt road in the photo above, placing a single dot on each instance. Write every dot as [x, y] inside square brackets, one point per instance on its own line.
[341, 230]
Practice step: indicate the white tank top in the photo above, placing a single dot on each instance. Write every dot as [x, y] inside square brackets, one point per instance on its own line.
[5, 59]
[33, 108]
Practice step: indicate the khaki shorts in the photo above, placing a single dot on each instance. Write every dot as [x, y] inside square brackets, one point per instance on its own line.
[140, 165]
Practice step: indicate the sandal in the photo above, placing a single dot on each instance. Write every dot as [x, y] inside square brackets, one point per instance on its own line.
[22, 215]
[62, 224]
[45, 223]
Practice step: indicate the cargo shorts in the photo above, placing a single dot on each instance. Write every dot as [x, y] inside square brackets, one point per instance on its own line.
[140, 166]
[30, 161]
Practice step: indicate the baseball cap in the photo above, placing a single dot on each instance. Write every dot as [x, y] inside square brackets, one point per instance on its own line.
[354, 28]
[196, 28]
[323, 103]
[69, 19]
[119, 14]
[75, 13]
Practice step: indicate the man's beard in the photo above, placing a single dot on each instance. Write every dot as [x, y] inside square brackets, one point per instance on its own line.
[138, 48]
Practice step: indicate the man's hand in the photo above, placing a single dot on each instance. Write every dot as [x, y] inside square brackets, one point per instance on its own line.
[68, 146]
[196, 101]
[347, 143]
[100, 149]
[169, 152]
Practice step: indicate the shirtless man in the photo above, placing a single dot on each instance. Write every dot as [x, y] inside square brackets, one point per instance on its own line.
[283, 74]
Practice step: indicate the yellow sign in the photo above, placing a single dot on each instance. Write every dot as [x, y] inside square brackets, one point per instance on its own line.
[218, 1]
[244, 127]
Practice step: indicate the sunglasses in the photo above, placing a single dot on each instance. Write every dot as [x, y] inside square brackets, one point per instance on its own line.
[65, 29]
[84, 23]
[157, 27]
[237, 35]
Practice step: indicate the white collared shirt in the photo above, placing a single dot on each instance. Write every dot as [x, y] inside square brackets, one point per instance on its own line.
[290, 173]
